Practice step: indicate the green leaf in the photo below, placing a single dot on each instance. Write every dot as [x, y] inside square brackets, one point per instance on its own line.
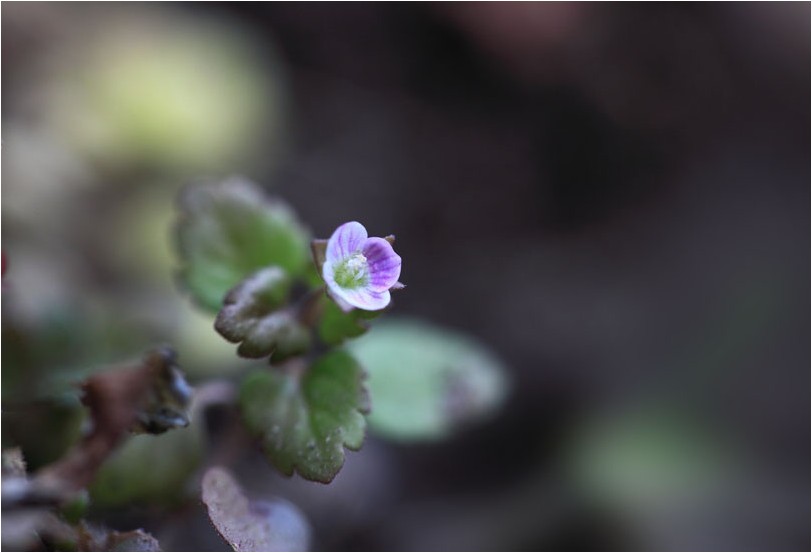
[149, 469]
[312, 276]
[336, 326]
[304, 418]
[252, 525]
[193, 97]
[59, 419]
[646, 456]
[75, 509]
[45, 360]
[427, 380]
[230, 229]
[251, 317]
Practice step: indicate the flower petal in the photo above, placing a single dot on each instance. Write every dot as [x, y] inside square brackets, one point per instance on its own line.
[364, 298]
[346, 240]
[342, 304]
[384, 264]
[361, 298]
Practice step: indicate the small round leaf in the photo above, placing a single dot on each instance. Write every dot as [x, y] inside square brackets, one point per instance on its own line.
[427, 380]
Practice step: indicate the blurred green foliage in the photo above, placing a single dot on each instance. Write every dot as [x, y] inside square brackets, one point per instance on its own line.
[43, 365]
[426, 381]
[337, 326]
[150, 470]
[230, 229]
[647, 457]
[150, 89]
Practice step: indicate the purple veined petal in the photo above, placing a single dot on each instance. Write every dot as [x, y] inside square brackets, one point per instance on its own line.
[363, 298]
[347, 239]
[384, 264]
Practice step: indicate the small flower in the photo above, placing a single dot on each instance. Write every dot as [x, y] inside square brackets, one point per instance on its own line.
[360, 271]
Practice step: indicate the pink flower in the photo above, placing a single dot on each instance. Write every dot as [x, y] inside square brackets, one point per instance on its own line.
[360, 271]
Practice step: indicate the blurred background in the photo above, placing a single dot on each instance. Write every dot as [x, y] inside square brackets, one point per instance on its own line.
[612, 198]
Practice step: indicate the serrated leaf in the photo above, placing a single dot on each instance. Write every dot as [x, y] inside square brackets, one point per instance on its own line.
[230, 229]
[252, 525]
[427, 380]
[305, 418]
[251, 316]
[336, 326]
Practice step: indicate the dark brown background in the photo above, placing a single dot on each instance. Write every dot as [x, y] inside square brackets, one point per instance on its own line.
[614, 197]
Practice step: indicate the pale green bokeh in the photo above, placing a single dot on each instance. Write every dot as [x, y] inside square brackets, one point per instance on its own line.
[648, 458]
[425, 381]
[149, 469]
[158, 89]
[143, 249]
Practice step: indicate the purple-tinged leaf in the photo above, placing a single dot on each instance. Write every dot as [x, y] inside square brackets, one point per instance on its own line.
[246, 525]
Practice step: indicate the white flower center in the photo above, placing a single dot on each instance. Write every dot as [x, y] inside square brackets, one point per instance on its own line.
[353, 271]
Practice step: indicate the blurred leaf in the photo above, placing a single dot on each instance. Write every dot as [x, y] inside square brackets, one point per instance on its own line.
[251, 316]
[205, 352]
[252, 525]
[147, 88]
[149, 469]
[230, 229]
[642, 457]
[75, 509]
[48, 360]
[427, 380]
[312, 277]
[59, 419]
[305, 416]
[336, 326]
[35, 529]
[117, 399]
